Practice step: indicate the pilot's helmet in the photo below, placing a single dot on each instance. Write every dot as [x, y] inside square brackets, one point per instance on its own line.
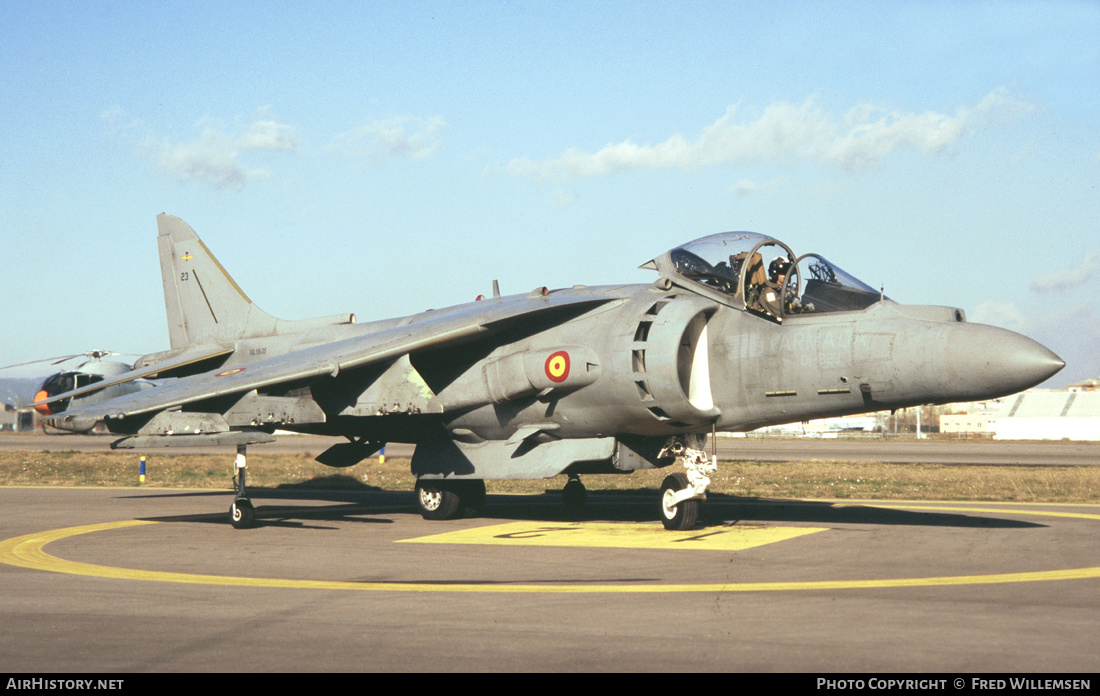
[779, 266]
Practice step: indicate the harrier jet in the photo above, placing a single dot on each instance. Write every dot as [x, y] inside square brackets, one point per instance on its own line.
[736, 332]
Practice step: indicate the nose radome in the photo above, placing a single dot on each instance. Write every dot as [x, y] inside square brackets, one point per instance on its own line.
[997, 362]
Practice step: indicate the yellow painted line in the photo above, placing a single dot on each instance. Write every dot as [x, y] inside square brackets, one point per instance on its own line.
[27, 552]
[617, 536]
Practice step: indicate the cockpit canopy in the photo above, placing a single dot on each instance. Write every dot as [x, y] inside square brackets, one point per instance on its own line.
[752, 272]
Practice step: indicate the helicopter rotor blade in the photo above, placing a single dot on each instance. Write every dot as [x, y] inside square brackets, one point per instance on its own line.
[58, 359]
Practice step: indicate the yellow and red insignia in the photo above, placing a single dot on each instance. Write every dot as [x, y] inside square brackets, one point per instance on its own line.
[230, 372]
[557, 366]
[187, 256]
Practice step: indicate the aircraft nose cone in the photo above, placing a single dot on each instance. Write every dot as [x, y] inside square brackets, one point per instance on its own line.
[998, 362]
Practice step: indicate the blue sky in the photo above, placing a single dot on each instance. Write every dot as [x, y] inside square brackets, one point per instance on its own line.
[385, 158]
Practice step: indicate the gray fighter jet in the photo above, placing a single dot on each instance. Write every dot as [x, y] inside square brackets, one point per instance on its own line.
[737, 332]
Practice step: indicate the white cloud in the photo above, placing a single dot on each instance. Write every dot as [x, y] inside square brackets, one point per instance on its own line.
[210, 159]
[783, 132]
[1064, 279]
[213, 158]
[268, 135]
[379, 140]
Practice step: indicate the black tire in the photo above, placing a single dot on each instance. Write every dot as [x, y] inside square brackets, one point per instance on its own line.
[437, 500]
[241, 514]
[574, 494]
[678, 517]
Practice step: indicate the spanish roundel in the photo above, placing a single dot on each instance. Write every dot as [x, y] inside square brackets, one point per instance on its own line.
[557, 366]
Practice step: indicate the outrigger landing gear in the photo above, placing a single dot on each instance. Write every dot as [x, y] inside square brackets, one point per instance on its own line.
[682, 492]
[241, 513]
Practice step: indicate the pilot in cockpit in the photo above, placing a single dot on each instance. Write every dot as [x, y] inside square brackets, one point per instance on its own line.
[777, 270]
[762, 290]
[777, 274]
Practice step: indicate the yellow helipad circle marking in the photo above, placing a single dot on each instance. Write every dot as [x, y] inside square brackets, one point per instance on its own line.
[26, 552]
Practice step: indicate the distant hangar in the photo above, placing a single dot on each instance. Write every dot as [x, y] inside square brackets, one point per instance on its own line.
[1049, 415]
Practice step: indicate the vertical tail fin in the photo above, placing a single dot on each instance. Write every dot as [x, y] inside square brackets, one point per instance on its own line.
[203, 302]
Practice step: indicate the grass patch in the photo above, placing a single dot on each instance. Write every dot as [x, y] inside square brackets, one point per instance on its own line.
[810, 479]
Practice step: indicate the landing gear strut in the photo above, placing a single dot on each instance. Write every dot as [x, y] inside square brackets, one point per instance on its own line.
[241, 513]
[682, 492]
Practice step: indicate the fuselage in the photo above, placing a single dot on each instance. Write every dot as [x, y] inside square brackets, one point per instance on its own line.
[721, 341]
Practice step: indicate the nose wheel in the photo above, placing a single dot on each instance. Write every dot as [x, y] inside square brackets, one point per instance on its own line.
[682, 493]
[678, 514]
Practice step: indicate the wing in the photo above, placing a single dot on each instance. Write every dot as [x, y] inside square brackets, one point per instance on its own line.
[465, 323]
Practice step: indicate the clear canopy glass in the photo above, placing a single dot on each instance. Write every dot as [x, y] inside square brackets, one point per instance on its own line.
[827, 288]
[754, 271]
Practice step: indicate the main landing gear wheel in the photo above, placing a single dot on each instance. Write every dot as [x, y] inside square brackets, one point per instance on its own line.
[681, 516]
[444, 500]
[574, 494]
[241, 514]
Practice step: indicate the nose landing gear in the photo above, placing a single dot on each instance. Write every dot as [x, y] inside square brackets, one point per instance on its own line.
[683, 492]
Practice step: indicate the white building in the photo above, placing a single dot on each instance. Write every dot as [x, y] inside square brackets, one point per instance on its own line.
[1050, 415]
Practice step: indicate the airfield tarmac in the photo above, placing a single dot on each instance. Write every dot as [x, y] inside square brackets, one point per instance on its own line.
[132, 580]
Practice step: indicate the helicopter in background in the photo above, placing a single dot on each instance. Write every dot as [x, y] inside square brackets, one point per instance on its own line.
[18, 393]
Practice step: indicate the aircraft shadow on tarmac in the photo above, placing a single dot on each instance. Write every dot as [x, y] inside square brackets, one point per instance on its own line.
[366, 504]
